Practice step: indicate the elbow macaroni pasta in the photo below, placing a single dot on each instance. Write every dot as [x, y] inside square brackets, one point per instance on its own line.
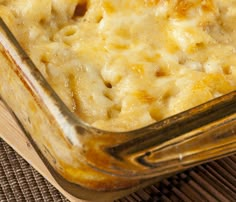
[121, 65]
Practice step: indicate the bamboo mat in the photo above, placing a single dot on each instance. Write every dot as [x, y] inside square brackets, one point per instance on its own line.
[215, 181]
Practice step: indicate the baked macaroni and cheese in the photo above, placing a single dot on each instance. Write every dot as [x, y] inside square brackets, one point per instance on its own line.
[121, 65]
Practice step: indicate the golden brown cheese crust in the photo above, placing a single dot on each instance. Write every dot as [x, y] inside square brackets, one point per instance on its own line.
[121, 65]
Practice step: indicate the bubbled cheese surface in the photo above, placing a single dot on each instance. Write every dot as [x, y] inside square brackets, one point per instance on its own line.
[121, 65]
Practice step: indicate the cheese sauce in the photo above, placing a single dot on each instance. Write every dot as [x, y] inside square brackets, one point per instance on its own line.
[121, 65]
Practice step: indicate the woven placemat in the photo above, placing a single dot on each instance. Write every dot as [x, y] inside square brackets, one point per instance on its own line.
[215, 181]
[20, 182]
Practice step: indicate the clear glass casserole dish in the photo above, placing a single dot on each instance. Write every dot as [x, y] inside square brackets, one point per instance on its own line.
[90, 163]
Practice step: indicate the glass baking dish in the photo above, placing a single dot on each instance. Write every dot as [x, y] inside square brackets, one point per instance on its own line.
[93, 164]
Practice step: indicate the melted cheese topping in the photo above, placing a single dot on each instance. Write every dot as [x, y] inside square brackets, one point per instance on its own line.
[121, 65]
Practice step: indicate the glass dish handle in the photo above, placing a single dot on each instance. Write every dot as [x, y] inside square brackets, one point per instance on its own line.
[193, 137]
[207, 143]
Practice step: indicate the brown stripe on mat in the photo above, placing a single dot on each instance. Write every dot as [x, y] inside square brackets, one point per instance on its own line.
[215, 181]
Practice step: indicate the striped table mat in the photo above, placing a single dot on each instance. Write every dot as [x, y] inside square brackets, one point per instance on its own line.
[215, 181]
